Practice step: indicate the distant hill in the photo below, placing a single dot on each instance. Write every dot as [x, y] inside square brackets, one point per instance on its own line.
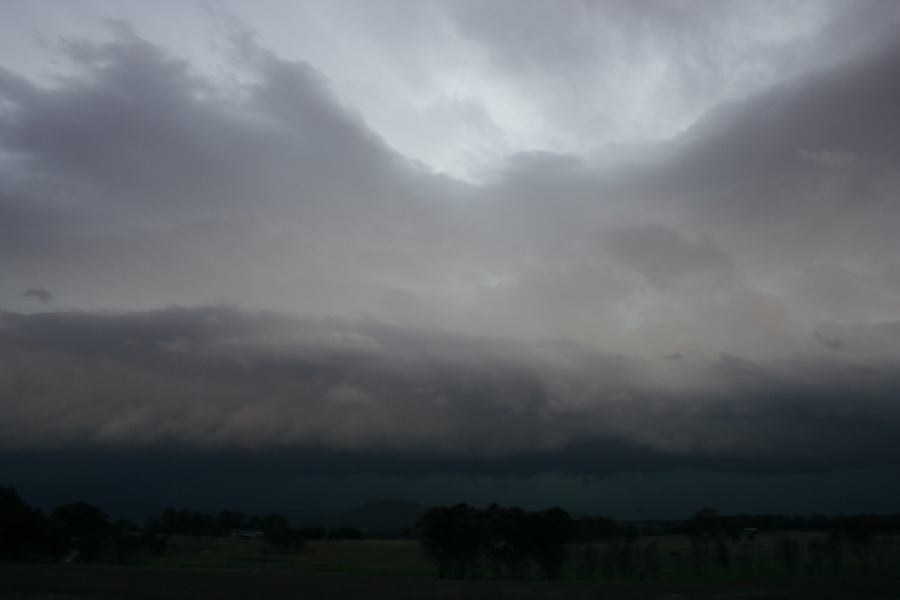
[378, 517]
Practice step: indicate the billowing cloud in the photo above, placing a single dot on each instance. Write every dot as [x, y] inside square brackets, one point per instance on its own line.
[223, 378]
[663, 255]
[41, 294]
[709, 284]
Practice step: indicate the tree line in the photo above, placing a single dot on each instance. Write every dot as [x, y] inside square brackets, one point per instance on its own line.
[464, 541]
[509, 543]
[709, 521]
[83, 532]
[76, 531]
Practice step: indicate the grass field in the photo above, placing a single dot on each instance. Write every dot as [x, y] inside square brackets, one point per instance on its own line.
[403, 558]
[83, 582]
[374, 569]
[346, 557]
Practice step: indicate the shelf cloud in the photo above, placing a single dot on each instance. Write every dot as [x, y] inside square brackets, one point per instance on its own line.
[461, 236]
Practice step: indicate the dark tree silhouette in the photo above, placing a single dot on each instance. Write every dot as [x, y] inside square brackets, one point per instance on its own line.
[551, 531]
[464, 541]
[228, 521]
[705, 522]
[789, 553]
[346, 533]
[593, 529]
[21, 527]
[508, 541]
[277, 531]
[80, 530]
[189, 522]
[313, 533]
[454, 538]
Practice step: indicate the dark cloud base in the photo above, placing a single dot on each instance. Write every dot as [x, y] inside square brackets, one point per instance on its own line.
[137, 483]
[340, 396]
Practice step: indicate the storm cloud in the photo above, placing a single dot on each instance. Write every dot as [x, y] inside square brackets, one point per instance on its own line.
[222, 378]
[667, 241]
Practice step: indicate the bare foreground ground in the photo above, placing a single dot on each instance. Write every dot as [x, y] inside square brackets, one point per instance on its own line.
[70, 582]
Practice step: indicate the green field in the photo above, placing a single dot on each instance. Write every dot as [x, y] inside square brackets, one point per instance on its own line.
[374, 569]
[404, 558]
[344, 557]
[88, 582]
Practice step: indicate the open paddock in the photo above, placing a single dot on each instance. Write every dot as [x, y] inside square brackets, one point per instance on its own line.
[80, 582]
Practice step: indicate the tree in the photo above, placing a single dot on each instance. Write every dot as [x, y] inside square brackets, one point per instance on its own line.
[454, 538]
[21, 527]
[278, 532]
[705, 522]
[346, 533]
[189, 522]
[551, 532]
[461, 539]
[507, 543]
[230, 520]
[592, 529]
[80, 528]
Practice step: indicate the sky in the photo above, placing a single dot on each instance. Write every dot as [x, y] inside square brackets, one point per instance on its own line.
[303, 254]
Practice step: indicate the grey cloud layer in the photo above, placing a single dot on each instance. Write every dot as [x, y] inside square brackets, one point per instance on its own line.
[729, 295]
[220, 378]
[158, 176]
[166, 187]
